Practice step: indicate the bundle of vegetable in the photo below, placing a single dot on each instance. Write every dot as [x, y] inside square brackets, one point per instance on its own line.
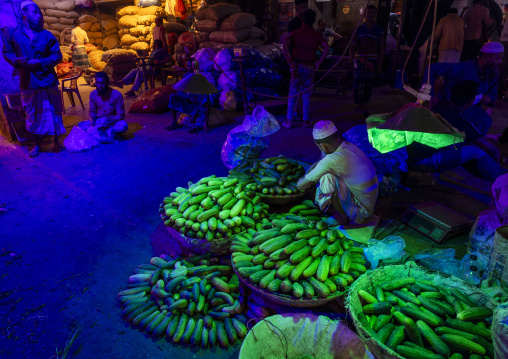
[193, 300]
[299, 258]
[273, 176]
[213, 208]
[420, 320]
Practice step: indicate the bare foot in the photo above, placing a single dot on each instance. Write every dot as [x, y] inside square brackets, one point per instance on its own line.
[35, 151]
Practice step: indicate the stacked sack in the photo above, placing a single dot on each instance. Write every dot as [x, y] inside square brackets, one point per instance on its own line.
[136, 26]
[118, 63]
[226, 24]
[103, 33]
[58, 18]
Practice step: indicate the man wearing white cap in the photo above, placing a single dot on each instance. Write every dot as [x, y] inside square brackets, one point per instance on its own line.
[348, 186]
[35, 52]
[484, 70]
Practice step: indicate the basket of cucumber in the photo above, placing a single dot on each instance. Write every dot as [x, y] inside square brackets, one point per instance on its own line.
[218, 246]
[405, 311]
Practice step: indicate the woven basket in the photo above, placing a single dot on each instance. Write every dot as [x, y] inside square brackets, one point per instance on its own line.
[201, 246]
[370, 280]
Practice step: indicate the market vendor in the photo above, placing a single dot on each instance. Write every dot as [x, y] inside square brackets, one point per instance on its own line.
[78, 40]
[107, 111]
[35, 53]
[348, 187]
[159, 32]
[189, 104]
[483, 70]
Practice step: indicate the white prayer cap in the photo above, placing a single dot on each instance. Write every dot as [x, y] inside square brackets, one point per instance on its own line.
[492, 47]
[323, 129]
[26, 3]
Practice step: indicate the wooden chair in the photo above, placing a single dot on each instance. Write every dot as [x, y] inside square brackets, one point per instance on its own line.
[74, 74]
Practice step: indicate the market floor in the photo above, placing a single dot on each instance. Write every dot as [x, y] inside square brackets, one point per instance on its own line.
[75, 226]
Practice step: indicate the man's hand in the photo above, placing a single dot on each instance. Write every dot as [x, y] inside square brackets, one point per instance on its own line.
[485, 100]
[33, 64]
[21, 62]
[304, 184]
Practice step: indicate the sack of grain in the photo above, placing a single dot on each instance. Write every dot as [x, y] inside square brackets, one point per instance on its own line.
[256, 33]
[174, 27]
[66, 21]
[253, 42]
[128, 10]
[94, 35]
[111, 41]
[55, 33]
[188, 37]
[128, 39]
[147, 3]
[61, 14]
[207, 25]
[140, 46]
[45, 4]
[200, 14]
[123, 31]
[108, 25]
[50, 20]
[86, 26]
[238, 21]
[140, 30]
[219, 11]
[107, 17]
[99, 42]
[230, 37]
[83, 3]
[66, 5]
[128, 21]
[95, 27]
[116, 56]
[95, 59]
[112, 32]
[88, 18]
[146, 19]
[204, 36]
[151, 10]
[60, 27]
[118, 71]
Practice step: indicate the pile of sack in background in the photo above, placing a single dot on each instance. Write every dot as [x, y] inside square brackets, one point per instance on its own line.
[226, 24]
[103, 33]
[136, 25]
[58, 18]
[118, 63]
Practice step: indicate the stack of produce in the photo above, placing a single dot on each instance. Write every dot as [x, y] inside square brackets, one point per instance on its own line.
[273, 176]
[298, 258]
[118, 63]
[58, 17]
[213, 208]
[136, 26]
[419, 319]
[103, 33]
[190, 301]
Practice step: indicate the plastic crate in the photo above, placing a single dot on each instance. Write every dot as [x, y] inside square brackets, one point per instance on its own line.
[14, 101]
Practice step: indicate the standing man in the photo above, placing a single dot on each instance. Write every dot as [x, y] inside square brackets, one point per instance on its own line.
[368, 46]
[348, 187]
[159, 32]
[302, 62]
[476, 19]
[300, 7]
[450, 32]
[327, 32]
[35, 53]
[107, 111]
[78, 39]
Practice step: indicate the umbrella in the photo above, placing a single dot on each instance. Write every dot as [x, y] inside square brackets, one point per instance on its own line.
[411, 124]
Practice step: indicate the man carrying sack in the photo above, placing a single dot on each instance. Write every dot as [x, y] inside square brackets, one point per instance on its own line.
[35, 53]
[348, 186]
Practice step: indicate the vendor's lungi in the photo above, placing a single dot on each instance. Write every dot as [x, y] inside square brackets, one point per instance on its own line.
[107, 136]
[365, 75]
[329, 186]
[80, 57]
[43, 108]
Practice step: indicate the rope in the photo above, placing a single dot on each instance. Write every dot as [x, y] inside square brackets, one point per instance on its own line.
[305, 90]
[432, 40]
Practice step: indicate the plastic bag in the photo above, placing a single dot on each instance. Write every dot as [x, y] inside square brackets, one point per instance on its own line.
[440, 259]
[500, 331]
[261, 123]
[392, 247]
[205, 59]
[481, 237]
[78, 141]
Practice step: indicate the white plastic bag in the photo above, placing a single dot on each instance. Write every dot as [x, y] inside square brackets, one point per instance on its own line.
[392, 247]
[78, 141]
[441, 259]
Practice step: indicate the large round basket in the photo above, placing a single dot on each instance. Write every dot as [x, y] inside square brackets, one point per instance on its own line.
[287, 299]
[370, 280]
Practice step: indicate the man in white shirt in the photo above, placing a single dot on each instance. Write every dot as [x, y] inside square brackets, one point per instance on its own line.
[78, 39]
[348, 186]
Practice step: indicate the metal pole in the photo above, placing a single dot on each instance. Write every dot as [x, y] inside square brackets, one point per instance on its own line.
[396, 63]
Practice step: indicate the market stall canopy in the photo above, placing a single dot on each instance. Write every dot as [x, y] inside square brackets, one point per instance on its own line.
[195, 84]
[411, 124]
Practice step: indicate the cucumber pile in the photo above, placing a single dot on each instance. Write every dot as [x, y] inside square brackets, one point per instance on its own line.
[420, 320]
[213, 208]
[273, 176]
[190, 301]
[297, 257]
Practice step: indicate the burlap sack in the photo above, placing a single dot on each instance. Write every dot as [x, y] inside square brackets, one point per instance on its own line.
[66, 21]
[140, 30]
[151, 10]
[146, 20]
[44, 4]
[60, 14]
[174, 27]
[230, 37]
[107, 17]
[140, 46]
[51, 20]
[256, 33]
[86, 26]
[200, 14]
[88, 18]
[118, 71]
[117, 56]
[128, 21]
[66, 5]
[123, 31]
[238, 21]
[142, 38]
[253, 42]
[55, 33]
[60, 27]
[207, 25]
[95, 59]
[108, 25]
[204, 36]
[99, 42]
[128, 39]
[112, 32]
[499, 257]
[95, 27]
[111, 41]
[94, 34]
[217, 11]
[128, 10]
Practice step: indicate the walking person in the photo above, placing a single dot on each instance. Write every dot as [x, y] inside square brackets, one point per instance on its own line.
[367, 53]
[476, 20]
[35, 53]
[304, 43]
[78, 40]
[450, 34]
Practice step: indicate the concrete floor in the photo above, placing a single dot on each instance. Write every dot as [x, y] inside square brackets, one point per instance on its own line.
[75, 225]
